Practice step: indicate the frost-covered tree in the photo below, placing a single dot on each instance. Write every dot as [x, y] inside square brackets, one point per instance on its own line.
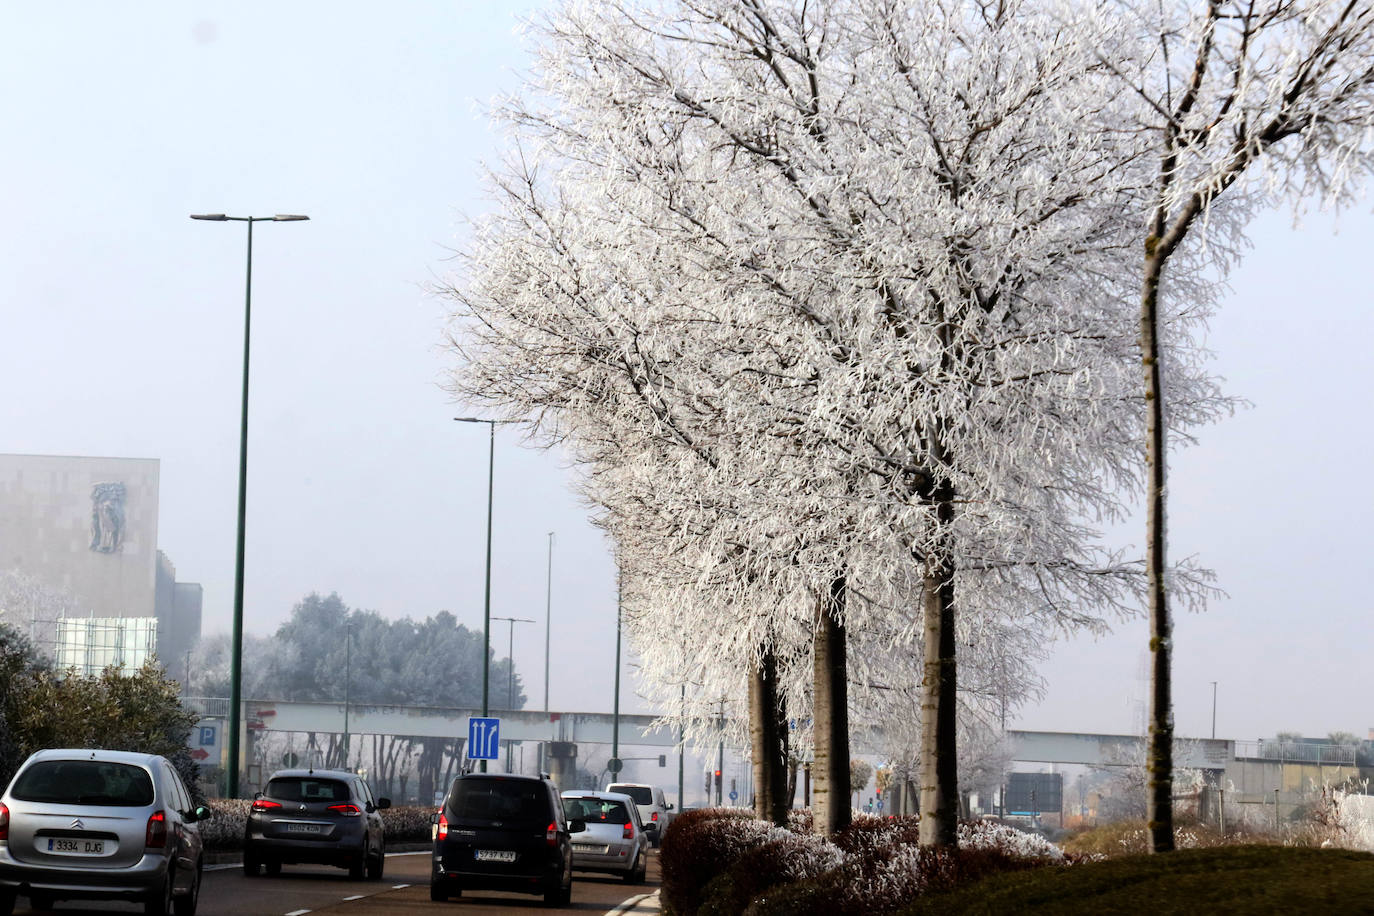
[828, 300]
[1242, 103]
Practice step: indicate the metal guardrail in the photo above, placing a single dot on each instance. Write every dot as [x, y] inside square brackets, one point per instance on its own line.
[1296, 752]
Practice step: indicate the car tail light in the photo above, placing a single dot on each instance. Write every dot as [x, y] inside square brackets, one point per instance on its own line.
[263, 804]
[347, 810]
[443, 826]
[551, 834]
[654, 816]
[629, 833]
[156, 835]
[4, 823]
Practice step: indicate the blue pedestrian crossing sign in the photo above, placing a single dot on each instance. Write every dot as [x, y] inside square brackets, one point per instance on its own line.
[484, 738]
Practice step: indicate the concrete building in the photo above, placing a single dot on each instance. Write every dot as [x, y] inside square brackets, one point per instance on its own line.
[82, 572]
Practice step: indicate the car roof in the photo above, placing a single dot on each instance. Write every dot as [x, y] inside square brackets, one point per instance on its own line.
[317, 774]
[94, 753]
[510, 776]
[592, 793]
[637, 785]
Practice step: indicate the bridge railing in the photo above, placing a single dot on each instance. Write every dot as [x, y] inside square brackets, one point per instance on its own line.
[207, 707]
[1296, 752]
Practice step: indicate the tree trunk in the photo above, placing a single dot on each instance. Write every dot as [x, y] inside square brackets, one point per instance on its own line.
[830, 797]
[939, 749]
[768, 736]
[1160, 763]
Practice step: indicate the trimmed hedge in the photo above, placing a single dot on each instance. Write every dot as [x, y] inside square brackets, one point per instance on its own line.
[224, 831]
[789, 858]
[700, 844]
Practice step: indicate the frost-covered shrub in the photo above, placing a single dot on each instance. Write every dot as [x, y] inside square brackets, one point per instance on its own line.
[786, 859]
[801, 820]
[223, 832]
[886, 868]
[701, 844]
[1009, 840]
[868, 836]
[407, 823]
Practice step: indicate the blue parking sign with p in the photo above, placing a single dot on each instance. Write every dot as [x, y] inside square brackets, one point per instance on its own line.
[484, 738]
[207, 735]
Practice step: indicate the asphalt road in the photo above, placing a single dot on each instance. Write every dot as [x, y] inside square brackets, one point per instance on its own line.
[301, 889]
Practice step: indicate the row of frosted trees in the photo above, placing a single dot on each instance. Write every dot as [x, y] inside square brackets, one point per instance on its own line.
[860, 317]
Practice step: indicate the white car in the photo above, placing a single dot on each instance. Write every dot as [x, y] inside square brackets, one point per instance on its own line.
[654, 809]
[614, 840]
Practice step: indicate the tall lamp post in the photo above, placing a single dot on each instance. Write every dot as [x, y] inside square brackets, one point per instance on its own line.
[548, 620]
[236, 649]
[510, 657]
[486, 599]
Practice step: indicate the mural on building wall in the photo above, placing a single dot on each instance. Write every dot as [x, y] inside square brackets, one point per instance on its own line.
[107, 517]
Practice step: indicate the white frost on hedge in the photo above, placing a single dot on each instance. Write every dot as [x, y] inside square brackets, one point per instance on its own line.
[987, 835]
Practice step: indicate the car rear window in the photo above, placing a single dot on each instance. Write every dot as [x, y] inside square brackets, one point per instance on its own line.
[643, 795]
[596, 810]
[306, 789]
[85, 782]
[499, 799]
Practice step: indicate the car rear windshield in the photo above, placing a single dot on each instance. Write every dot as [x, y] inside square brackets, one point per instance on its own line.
[85, 782]
[643, 795]
[306, 789]
[596, 810]
[499, 799]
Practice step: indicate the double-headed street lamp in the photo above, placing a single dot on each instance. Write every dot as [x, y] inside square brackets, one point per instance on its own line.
[510, 657]
[236, 650]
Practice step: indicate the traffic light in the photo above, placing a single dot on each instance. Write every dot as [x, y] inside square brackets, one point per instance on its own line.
[717, 779]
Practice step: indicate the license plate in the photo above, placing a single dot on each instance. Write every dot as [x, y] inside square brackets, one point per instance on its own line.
[303, 828]
[587, 847]
[65, 847]
[495, 855]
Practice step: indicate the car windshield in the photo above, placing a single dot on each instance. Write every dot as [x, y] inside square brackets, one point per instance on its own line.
[499, 799]
[643, 795]
[596, 810]
[306, 789]
[85, 782]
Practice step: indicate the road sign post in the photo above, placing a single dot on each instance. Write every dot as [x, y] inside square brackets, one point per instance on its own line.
[484, 738]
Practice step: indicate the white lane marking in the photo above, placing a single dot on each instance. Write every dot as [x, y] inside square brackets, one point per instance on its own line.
[297, 913]
[397, 887]
[630, 904]
[356, 897]
[418, 852]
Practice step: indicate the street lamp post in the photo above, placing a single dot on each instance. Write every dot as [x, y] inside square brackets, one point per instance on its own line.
[510, 657]
[486, 599]
[1214, 709]
[548, 620]
[615, 708]
[348, 682]
[236, 648]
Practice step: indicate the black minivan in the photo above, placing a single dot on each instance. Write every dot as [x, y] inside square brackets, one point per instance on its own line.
[503, 832]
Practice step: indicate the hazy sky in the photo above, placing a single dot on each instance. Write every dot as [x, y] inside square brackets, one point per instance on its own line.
[123, 321]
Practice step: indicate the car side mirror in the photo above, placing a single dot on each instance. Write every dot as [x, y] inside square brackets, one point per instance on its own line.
[383, 804]
[202, 813]
[667, 807]
[257, 795]
[434, 819]
[577, 825]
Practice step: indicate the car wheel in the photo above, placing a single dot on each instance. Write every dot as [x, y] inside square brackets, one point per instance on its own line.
[272, 866]
[376, 865]
[637, 871]
[186, 904]
[357, 869]
[438, 891]
[7, 901]
[250, 862]
[41, 902]
[159, 899]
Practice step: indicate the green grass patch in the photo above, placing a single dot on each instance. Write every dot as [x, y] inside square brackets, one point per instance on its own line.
[1227, 879]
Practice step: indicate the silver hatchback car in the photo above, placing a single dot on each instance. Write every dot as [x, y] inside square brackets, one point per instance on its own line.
[615, 840]
[94, 824]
